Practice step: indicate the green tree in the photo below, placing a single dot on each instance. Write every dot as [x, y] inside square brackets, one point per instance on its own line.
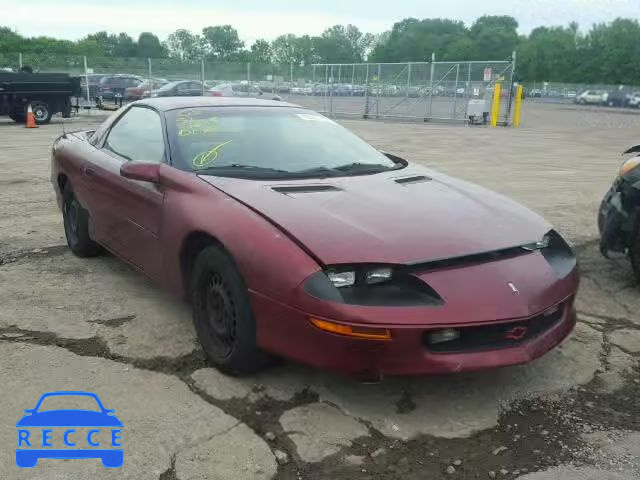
[125, 46]
[292, 49]
[414, 40]
[494, 37]
[149, 46]
[185, 45]
[222, 41]
[260, 52]
[549, 53]
[343, 44]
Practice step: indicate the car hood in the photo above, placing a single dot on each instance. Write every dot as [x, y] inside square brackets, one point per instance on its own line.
[400, 217]
[69, 418]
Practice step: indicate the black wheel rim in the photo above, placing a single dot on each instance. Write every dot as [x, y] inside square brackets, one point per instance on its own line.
[220, 312]
[71, 220]
[40, 112]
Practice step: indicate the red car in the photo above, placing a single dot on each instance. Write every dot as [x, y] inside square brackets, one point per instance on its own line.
[291, 236]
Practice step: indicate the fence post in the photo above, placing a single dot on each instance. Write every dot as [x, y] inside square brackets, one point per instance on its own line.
[513, 68]
[379, 90]
[408, 78]
[202, 74]
[291, 73]
[366, 94]
[353, 73]
[331, 92]
[249, 72]
[433, 66]
[20, 60]
[469, 95]
[86, 78]
[455, 92]
[149, 67]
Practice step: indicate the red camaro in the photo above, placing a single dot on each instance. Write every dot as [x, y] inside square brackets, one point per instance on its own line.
[291, 236]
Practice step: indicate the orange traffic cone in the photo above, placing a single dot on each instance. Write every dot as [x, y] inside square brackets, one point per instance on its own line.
[31, 119]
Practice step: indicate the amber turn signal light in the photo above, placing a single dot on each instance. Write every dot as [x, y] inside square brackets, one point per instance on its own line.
[364, 333]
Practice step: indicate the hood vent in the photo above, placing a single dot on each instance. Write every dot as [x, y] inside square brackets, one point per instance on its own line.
[287, 190]
[413, 179]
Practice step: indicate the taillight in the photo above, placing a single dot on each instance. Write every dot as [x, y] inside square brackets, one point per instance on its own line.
[216, 93]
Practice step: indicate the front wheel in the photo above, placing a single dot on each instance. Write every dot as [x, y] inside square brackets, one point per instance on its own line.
[222, 314]
[76, 226]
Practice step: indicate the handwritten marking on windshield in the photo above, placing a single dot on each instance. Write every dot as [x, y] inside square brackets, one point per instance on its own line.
[205, 159]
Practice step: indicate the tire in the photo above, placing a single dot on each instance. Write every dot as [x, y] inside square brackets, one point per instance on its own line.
[222, 314]
[76, 226]
[634, 250]
[42, 112]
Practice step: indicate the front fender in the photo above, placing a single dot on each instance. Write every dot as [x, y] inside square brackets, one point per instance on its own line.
[270, 262]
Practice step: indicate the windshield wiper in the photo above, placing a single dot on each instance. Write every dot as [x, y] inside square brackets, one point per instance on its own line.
[239, 166]
[363, 168]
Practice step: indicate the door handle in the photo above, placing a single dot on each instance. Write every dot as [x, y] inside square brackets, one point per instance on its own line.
[89, 172]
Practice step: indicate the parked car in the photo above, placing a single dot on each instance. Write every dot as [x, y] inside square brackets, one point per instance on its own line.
[617, 98]
[619, 214]
[634, 100]
[137, 92]
[240, 90]
[290, 235]
[570, 94]
[181, 88]
[592, 97]
[535, 93]
[114, 86]
[94, 84]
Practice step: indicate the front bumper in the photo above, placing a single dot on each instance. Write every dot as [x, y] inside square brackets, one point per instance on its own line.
[287, 331]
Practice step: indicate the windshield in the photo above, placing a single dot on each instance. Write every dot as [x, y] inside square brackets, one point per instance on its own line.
[268, 142]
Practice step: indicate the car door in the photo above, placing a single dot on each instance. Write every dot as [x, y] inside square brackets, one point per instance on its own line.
[128, 211]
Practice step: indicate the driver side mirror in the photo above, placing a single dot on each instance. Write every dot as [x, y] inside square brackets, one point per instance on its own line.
[142, 171]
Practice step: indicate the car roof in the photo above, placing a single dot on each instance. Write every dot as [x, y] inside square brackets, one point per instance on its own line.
[174, 103]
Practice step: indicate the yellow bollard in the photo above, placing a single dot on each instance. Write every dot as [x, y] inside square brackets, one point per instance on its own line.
[495, 109]
[518, 107]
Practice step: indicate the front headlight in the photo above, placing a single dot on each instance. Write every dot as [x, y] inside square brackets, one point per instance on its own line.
[368, 276]
[629, 165]
[371, 285]
[342, 279]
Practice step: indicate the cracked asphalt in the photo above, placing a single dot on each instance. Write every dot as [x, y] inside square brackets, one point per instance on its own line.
[97, 325]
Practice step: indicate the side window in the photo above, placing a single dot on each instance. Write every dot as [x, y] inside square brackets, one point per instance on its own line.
[138, 136]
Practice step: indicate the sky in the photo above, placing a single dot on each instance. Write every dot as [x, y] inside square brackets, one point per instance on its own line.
[73, 19]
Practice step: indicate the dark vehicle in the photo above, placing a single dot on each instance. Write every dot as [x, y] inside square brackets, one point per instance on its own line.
[137, 92]
[292, 236]
[115, 86]
[181, 88]
[617, 98]
[94, 84]
[619, 215]
[48, 94]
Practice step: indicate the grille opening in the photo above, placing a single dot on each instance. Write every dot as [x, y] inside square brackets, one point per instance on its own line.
[305, 189]
[497, 335]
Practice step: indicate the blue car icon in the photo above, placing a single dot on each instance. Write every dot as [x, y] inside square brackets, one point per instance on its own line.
[36, 428]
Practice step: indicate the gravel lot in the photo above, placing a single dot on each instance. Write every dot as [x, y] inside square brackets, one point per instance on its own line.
[97, 325]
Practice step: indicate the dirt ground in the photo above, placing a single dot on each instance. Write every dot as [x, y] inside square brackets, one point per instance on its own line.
[96, 325]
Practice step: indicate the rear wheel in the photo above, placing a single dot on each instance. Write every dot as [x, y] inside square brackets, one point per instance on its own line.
[41, 112]
[222, 314]
[76, 226]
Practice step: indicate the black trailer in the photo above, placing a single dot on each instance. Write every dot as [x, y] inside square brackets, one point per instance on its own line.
[48, 94]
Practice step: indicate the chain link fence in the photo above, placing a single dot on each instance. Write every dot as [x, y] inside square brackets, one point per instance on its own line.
[413, 90]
